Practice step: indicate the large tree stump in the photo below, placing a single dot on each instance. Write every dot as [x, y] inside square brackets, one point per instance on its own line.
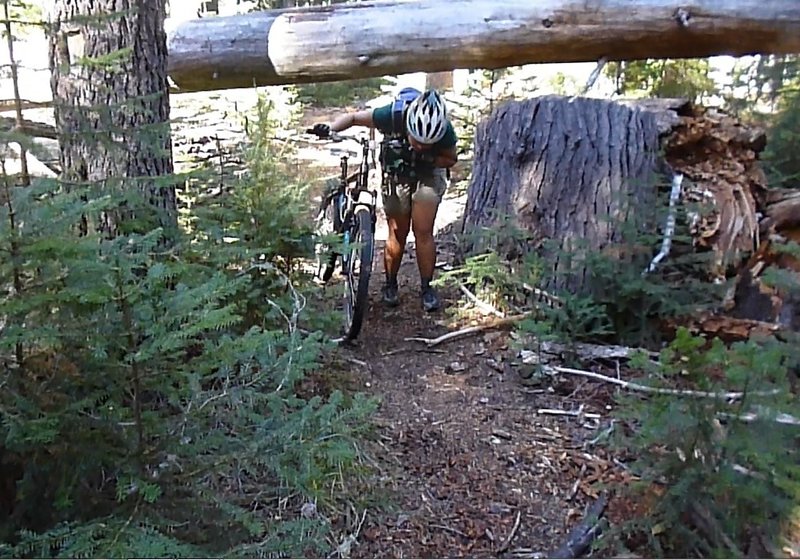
[582, 173]
[718, 154]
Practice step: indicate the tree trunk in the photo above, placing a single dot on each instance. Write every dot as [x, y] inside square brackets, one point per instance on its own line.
[109, 83]
[376, 38]
[441, 81]
[553, 165]
[574, 172]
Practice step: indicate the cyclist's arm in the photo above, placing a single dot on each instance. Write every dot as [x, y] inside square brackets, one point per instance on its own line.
[359, 118]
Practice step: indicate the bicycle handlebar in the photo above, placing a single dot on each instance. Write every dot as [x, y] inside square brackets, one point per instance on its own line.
[337, 136]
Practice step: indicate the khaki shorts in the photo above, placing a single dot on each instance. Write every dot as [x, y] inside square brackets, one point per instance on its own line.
[397, 197]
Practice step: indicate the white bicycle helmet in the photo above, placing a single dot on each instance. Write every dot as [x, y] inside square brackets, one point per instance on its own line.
[426, 118]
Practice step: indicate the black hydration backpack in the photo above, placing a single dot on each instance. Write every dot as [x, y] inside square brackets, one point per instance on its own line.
[401, 101]
[395, 150]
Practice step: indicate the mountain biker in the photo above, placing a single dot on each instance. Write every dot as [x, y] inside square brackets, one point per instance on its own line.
[414, 162]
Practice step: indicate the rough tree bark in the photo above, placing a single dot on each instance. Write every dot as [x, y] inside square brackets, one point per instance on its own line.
[109, 81]
[552, 164]
[376, 38]
[577, 172]
[439, 80]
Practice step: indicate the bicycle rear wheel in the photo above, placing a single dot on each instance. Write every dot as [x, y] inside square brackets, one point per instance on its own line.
[357, 265]
[331, 224]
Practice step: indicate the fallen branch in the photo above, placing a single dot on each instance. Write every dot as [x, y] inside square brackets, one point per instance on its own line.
[357, 362]
[450, 530]
[584, 533]
[467, 331]
[605, 434]
[554, 301]
[344, 548]
[511, 534]
[482, 305]
[557, 412]
[748, 417]
[584, 351]
[731, 395]
[11, 104]
[747, 472]
[577, 484]
[29, 128]
[395, 351]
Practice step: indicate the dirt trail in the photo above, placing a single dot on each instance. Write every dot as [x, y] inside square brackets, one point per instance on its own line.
[461, 448]
[468, 466]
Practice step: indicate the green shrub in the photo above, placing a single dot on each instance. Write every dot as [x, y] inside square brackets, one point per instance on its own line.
[619, 302]
[149, 399]
[726, 470]
[781, 156]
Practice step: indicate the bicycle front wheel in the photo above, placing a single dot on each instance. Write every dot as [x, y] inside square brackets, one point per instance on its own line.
[358, 268]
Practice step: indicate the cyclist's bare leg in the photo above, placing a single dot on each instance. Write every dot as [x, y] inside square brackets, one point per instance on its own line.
[399, 226]
[423, 216]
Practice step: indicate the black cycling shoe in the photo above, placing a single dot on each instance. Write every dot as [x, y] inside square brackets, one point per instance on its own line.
[430, 299]
[390, 297]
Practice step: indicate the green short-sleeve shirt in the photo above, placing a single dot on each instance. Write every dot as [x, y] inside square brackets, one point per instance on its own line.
[382, 118]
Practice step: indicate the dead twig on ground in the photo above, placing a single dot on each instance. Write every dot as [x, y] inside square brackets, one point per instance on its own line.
[467, 331]
[450, 530]
[553, 301]
[395, 351]
[584, 533]
[480, 304]
[360, 363]
[343, 550]
[527, 553]
[605, 434]
[511, 534]
[574, 491]
[630, 385]
[748, 417]
[747, 472]
[558, 412]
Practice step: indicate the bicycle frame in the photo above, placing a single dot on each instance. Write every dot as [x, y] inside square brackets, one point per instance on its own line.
[359, 194]
[354, 219]
[353, 190]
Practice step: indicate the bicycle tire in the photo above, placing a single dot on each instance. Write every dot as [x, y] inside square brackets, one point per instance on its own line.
[357, 281]
[332, 213]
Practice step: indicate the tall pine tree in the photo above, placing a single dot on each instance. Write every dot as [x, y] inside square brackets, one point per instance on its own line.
[109, 81]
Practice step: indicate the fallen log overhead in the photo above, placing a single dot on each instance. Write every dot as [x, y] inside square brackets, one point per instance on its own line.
[377, 38]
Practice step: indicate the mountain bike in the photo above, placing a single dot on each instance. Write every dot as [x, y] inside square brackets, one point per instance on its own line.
[348, 214]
